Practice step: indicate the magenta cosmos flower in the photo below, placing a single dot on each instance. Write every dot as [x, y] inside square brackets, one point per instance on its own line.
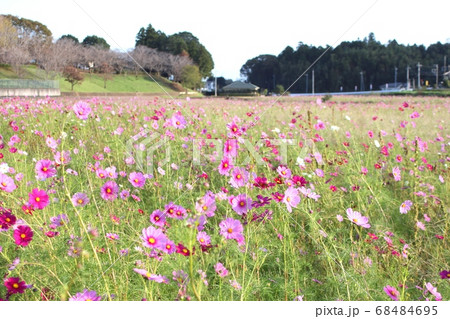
[44, 169]
[86, 295]
[357, 218]
[230, 148]
[225, 166]
[80, 199]
[291, 198]
[405, 206]
[391, 292]
[137, 179]
[7, 183]
[82, 110]
[231, 228]
[38, 198]
[234, 130]
[241, 204]
[178, 121]
[23, 235]
[7, 220]
[158, 218]
[153, 238]
[14, 285]
[109, 191]
[239, 177]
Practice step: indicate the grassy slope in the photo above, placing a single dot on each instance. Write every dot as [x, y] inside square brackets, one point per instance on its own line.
[94, 83]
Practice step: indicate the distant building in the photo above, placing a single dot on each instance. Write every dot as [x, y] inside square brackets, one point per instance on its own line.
[240, 88]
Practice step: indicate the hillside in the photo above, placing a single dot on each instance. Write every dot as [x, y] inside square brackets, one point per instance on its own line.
[93, 83]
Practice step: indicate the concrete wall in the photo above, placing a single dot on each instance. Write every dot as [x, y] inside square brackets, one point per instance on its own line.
[30, 92]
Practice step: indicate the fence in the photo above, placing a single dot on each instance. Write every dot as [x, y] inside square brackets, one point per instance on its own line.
[28, 84]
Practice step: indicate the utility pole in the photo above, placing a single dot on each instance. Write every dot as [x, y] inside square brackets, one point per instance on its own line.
[313, 81]
[445, 63]
[362, 81]
[418, 75]
[437, 74]
[408, 85]
[215, 86]
[307, 82]
[395, 77]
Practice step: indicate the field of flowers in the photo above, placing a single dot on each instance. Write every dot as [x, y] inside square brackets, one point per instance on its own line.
[224, 199]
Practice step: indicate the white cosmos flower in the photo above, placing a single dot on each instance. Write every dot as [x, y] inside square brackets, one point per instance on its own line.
[377, 144]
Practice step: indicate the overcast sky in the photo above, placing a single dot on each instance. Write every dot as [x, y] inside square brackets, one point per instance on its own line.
[234, 31]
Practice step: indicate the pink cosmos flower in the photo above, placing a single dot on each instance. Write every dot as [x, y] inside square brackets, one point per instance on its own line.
[357, 218]
[178, 121]
[38, 199]
[420, 225]
[397, 174]
[62, 158]
[203, 238]
[433, 291]
[86, 295]
[169, 247]
[239, 177]
[339, 218]
[230, 148]
[231, 228]
[291, 198]
[225, 166]
[284, 172]
[82, 110]
[207, 205]
[153, 238]
[23, 235]
[109, 191]
[158, 218]
[405, 206]
[80, 199]
[234, 130]
[180, 212]
[7, 183]
[392, 292]
[147, 275]
[241, 204]
[221, 270]
[44, 169]
[137, 179]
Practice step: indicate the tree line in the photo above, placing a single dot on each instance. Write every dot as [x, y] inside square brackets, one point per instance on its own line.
[24, 41]
[356, 65]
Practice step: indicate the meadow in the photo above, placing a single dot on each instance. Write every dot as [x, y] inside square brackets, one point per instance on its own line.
[225, 199]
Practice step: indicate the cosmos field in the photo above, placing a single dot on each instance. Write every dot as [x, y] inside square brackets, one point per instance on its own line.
[224, 199]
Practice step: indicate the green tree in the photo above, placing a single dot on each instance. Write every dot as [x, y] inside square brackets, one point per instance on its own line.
[69, 37]
[191, 77]
[93, 40]
[29, 28]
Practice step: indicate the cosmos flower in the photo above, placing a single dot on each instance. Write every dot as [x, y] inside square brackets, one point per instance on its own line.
[137, 179]
[86, 295]
[178, 121]
[14, 285]
[397, 174]
[391, 292]
[445, 274]
[261, 201]
[239, 177]
[207, 205]
[231, 228]
[153, 238]
[58, 221]
[356, 218]
[225, 166]
[62, 158]
[230, 148]
[80, 199]
[234, 130]
[433, 291]
[23, 235]
[158, 218]
[7, 183]
[109, 191]
[7, 220]
[405, 206]
[203, 238]
[38, 198]
[82, 110]
[221, 270]
[241, 204]
[284, 172]
[291, 198]
[183, 250]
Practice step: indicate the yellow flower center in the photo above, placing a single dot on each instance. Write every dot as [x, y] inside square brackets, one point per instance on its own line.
[148, 275]
[238, 176]
[178, 122]
[151, 240]
[229, 230]
[15, 285]
[241, 203]
[355, 220]
[136, 180]
[7, 219]
[205, 207]
[234, 129]
[108, 190]
[3, 184]
[225, 165]
[202, 240]
[156, 218]
[185, 250]
[288, 199]
[22, 236]
[80, 201]
[44, 169]
[37, 199]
